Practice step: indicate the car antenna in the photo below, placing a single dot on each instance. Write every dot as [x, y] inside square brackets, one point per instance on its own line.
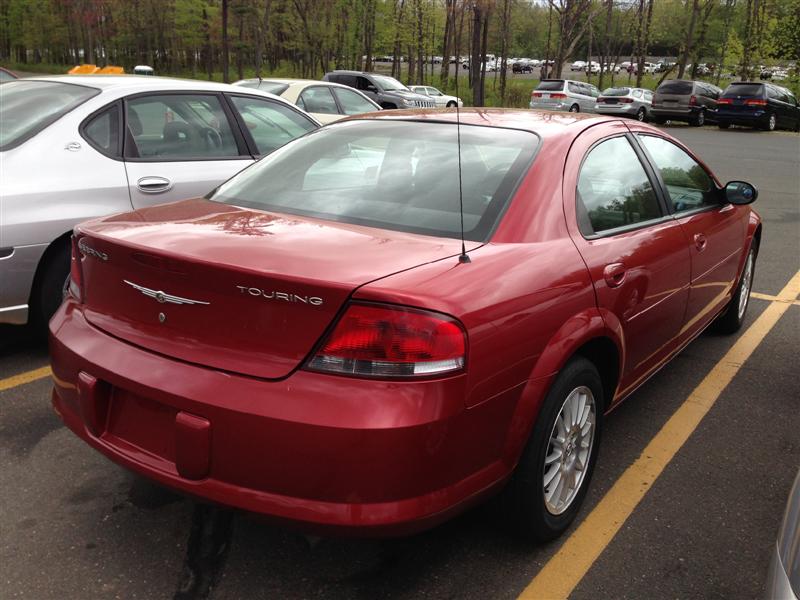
[463, 258]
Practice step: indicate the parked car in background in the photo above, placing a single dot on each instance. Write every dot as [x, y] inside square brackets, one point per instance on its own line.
[783, 578]
[754, 104]
[522, 67]
[6, 75]
[78, 147]
[592, 68]
[578, 65]
[694, 102]
[565, 94]
[647, 68]
[385, 91]
[441, 100]
[326, 355]
[627, 101]
[325, 101]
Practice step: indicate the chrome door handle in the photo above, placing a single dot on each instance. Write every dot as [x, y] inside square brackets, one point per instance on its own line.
[153, 185]
[614, 274]
[700, 242]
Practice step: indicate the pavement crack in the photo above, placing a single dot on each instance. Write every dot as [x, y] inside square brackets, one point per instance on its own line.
[206, 552]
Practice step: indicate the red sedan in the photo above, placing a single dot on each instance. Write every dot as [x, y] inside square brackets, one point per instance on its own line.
[314, 342]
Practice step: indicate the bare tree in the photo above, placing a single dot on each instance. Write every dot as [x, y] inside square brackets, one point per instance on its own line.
[687, 44]
[574, 16]
[225, 43]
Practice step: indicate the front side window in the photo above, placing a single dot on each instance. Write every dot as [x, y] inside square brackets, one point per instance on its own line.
[401, 176]
[353, 103]
[271, 123]
[613, 189]
[688, 185]
[27, 107]
[318, 99]
[180, 127]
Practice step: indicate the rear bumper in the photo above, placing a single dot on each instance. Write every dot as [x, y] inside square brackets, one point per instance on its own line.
[557, 106]
[616, 109]
[330, 454]
[678, 114]
[753, 118]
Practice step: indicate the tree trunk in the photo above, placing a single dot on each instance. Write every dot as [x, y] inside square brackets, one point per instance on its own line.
[475, 57]
[605, 57]
[505, 34]
[687, 46]
[726, 33]
[225, 76]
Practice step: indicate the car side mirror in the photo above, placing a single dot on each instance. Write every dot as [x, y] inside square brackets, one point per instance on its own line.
[372, 88]
[740, 192]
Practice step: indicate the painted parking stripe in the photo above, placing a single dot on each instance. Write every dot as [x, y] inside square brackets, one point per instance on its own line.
[23, 378]
[566, 568]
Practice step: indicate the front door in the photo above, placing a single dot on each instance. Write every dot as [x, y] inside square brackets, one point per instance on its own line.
[636, 253]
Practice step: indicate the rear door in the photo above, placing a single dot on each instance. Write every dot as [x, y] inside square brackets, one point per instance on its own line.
[180, 145]
[636, 254]
[715, 230]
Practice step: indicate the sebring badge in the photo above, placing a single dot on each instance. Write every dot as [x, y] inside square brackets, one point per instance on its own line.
[163, 297]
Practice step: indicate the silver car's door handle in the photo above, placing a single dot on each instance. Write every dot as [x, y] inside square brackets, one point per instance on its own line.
[154, 185]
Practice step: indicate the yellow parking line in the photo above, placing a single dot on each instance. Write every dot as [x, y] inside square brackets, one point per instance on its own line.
[23, 378]
[573, 560]
[773, 298]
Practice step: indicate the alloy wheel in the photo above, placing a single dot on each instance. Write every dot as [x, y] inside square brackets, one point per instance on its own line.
[744, 289]
[569, 450]
[772, 123]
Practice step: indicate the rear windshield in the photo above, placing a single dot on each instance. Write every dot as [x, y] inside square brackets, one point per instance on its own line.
[675, 87]
[743, 89]
[27, 107]
[399, 175]
[551, 85]
[623, 91]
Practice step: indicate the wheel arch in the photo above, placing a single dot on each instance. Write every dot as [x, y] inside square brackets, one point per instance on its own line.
[60, 242]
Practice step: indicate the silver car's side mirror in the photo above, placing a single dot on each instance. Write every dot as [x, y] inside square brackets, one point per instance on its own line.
[740, 192]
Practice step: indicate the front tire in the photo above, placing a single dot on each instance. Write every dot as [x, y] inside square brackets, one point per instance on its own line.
[731, 320]
[641, 115]
[771, 123]
[451, 104]
[550, 482]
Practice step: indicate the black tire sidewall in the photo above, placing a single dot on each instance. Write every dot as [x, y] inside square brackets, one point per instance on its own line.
[529, 514]
[48, 294]
[641, 115]
[729, 321]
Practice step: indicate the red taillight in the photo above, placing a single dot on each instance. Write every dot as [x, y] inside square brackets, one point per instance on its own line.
[693, 100]
[626, 100]
[387, 341]
[559, 96]
[536, 94]
[600, 100]
[755, 102]
[725, 101]
[76, 271]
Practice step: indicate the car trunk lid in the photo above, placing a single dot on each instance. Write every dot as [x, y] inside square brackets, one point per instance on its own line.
[230, 288]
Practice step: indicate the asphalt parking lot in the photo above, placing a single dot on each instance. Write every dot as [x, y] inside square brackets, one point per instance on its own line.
[685, 502]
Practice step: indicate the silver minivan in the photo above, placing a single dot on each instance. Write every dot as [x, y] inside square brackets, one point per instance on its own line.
[565, 95]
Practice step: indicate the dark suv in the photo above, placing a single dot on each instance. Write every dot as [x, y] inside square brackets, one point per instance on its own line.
[682, 100]
[385, 90]
[758, 105]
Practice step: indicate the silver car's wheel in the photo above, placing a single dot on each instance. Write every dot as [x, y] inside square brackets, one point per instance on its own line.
[574, 108]
[569, 450]
[641, 114]
[744, 287]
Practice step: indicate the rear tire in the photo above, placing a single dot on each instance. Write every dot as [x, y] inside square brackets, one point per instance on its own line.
[574, 108]
[699, 120]
[641, 114]
[542, 512]
[771, 123]
[451, 104]
[48, 294]
[731, 320]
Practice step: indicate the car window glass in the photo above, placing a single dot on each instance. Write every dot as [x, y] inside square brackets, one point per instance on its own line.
[271, 123]
[771, 92]
[648, 96]
[637, 93]
[688, 184]
[353, 103]
[362, 83]
[102, 131]
[318, 99]
[613, 188]
[180, 126]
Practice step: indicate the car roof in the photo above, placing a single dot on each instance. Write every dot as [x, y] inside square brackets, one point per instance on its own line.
[546, 124]
[141, 83]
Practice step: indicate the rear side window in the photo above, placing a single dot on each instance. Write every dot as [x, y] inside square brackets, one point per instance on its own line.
[551, 85]
[747, 90]
[675, 87]
[620, 91]
[102, 131]
[613, 189]
[353, 103]
[318, 99]
[688, 184]
[180, 127]
[27, 107]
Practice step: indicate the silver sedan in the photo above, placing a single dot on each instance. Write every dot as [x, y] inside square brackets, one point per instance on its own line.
[783, 579]
[628, 101]
[73, 148]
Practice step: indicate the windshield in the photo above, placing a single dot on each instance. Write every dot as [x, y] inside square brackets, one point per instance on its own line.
[622, 91]
[744, 89]
[399, 175]
[551, 85]
[388, 84]
[27, 107]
